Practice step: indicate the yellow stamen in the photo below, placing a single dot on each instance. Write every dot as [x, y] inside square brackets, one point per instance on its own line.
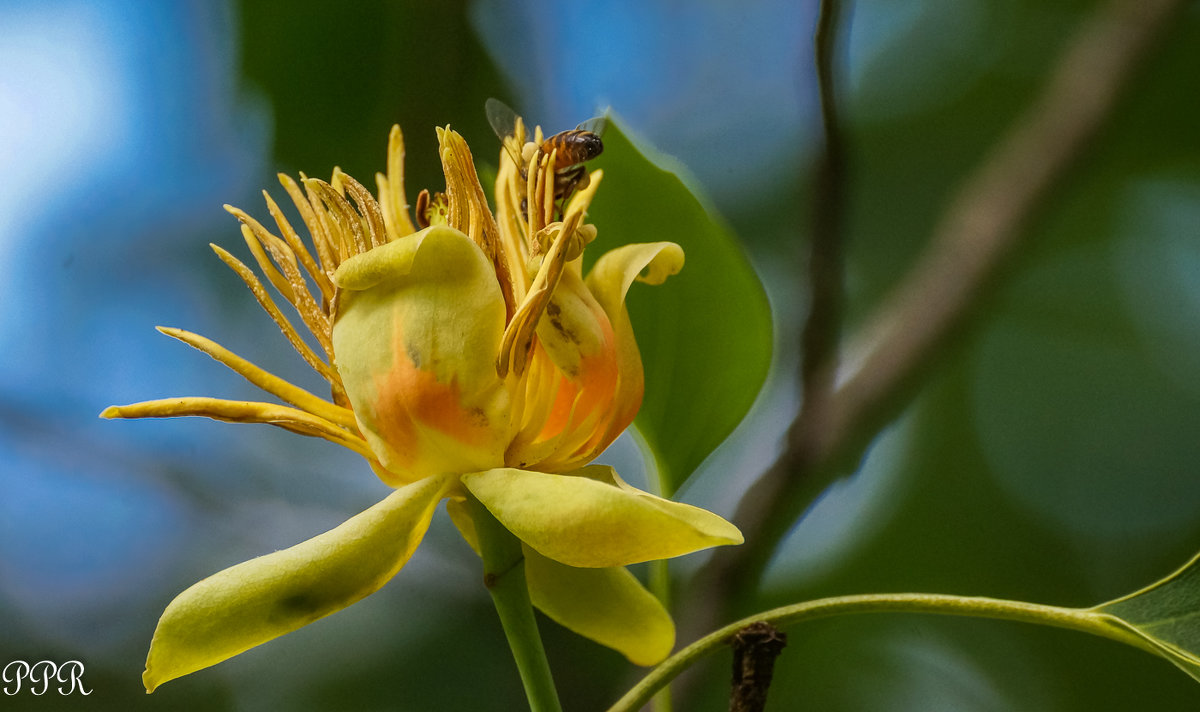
[547, 180]
[230, 411]
[267, 381]
[567, 241]
[342, 223]
[256, 241]
[368, 208]
[469, 211]
[532, 190]
[311, 268]
[268, 305]
[392, 196]
[290, 283]
[327, 251]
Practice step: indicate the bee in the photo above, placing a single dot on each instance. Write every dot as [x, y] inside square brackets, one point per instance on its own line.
[574, 148]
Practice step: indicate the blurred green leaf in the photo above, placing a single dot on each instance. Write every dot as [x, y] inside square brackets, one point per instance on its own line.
[337, 77]
[1165, 614]
[705, 335]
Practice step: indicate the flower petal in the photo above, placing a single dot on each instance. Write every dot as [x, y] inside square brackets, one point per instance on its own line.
[609, 606]
[255, 601]
[575, 366]
[593, 519]
[609, 281]
[574, 329]
[616, 270]
[416, 334]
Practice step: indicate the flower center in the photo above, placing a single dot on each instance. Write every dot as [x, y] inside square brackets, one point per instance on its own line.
[527, 246]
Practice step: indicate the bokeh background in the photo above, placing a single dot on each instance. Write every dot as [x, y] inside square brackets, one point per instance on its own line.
[1053, 455]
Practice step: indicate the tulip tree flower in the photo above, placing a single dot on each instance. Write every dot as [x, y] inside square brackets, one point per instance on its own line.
[469, 360]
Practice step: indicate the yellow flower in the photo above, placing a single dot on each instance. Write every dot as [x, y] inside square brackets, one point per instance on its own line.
[468, 358]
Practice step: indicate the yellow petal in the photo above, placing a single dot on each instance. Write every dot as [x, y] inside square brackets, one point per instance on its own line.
[255, 601]
[591, 518]
[575, 363]
[609, 282]
[417, 331]
[574, 329]
[457, 509]
[608, 605]
[616, 270]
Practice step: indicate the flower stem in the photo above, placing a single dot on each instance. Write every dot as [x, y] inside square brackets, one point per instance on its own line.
[660, 585]
[659, 569]
[1079, 619]
[504, 576]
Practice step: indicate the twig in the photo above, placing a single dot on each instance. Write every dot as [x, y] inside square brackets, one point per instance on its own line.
[1095, 621]
[755, 648]
[818, 345]
[825, 269]
[981, 228]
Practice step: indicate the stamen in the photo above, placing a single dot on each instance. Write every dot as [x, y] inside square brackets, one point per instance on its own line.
[339, 217]
[267, 381]
[510, 211]
[423, 209]
[326, 249]
[392, 196]
[560, 243]
[533, 175]
[583, 197]
[231, 411]
[271, 272]
[581, 235]
[518, 335]
[268, 305]
[293, 288]
[299, 249]
[469, 211]
[368, 208]
[546, 182]
[512, 228]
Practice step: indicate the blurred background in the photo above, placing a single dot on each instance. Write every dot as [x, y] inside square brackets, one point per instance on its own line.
[1052, 456]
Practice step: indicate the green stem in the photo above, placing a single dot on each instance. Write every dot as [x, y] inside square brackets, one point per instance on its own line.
[504, 576]
[1079, 619]
[659, 569]
[660, 586]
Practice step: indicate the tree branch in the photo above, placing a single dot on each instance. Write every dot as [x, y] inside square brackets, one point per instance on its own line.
[755, 648]
[898, 344]
[825, 269]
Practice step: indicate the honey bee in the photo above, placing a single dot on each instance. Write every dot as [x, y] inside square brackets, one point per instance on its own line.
[574, 148]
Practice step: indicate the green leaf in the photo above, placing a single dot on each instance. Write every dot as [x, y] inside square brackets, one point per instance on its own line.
[1166, 615]
[705, 335]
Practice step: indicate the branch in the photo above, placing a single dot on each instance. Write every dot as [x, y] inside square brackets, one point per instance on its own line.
[980, 229]
[1084, 620]
[825, 268]
[755, 648]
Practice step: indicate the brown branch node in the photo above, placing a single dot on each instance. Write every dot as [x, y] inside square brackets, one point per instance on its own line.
[755, 648]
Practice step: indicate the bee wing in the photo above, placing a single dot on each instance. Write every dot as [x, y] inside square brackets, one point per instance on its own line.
[501, 117]
[503, 121]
